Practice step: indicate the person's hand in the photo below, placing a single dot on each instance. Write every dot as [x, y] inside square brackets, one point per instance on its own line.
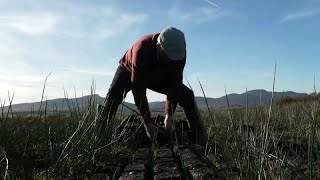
[168, 123]
[152, 131]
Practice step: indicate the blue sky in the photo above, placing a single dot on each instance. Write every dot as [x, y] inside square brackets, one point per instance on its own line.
[231, 44]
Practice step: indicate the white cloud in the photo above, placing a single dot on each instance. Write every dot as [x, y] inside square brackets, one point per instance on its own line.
[198, 15]
[99, 23]
[27, 84]
[30, 23]
[123, 23]
[299, 15]
[80, 21]
[26, 87]
[42, 39]
[210, 2]
[5, 52]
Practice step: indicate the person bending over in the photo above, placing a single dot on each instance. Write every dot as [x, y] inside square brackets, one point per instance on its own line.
[155, 62]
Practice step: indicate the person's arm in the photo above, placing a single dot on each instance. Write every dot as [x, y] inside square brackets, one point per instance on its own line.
[174, 89]
[139, 85]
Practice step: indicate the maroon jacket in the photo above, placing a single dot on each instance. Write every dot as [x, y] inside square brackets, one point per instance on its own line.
[149, 72]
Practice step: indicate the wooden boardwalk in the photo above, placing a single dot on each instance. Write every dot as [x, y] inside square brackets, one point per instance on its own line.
[165, 160]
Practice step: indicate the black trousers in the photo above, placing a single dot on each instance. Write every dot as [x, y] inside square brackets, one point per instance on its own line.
[121, 85]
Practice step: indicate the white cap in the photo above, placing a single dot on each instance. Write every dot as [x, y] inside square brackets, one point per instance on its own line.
[173, 43]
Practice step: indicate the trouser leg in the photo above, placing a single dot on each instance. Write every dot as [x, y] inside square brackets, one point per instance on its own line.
[187, 101]
[119, 87]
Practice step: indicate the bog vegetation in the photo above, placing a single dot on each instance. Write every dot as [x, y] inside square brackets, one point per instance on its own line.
[281, 141]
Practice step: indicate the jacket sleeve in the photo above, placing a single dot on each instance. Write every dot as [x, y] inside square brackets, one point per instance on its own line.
[139, 69]
[174, 88]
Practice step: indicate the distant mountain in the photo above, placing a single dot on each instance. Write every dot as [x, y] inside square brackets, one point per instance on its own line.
[255, 97]
[62, 104]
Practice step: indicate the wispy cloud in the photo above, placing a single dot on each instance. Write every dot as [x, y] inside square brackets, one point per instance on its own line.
[198, 15]
[19, 78]
[299, 15]
[30, 24]
[39, 40]
[81, 21]
[27, 83]
[99, 23]
[210, 2]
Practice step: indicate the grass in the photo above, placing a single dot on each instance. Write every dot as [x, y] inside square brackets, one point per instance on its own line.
[291, 150]
[47, 145]
[252, 142]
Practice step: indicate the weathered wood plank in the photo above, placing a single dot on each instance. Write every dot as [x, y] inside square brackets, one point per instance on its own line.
[138, 167]
[165, 166]
[195, 165]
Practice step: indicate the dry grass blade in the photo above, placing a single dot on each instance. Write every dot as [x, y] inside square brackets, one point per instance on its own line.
[7, 165]
[212, 120]
[229, 109]
[207, 104]
[81, 123]
[43, 89]
[10, 105]
[267, 125]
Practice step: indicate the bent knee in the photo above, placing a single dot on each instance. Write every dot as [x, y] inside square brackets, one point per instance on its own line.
[116, 93]
[187, 98]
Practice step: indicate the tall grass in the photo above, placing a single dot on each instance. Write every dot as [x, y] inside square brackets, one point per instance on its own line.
[51, 144]
[280, 141]
[291, 154]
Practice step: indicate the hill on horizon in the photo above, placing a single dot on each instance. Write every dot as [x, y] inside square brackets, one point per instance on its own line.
[255, 97]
